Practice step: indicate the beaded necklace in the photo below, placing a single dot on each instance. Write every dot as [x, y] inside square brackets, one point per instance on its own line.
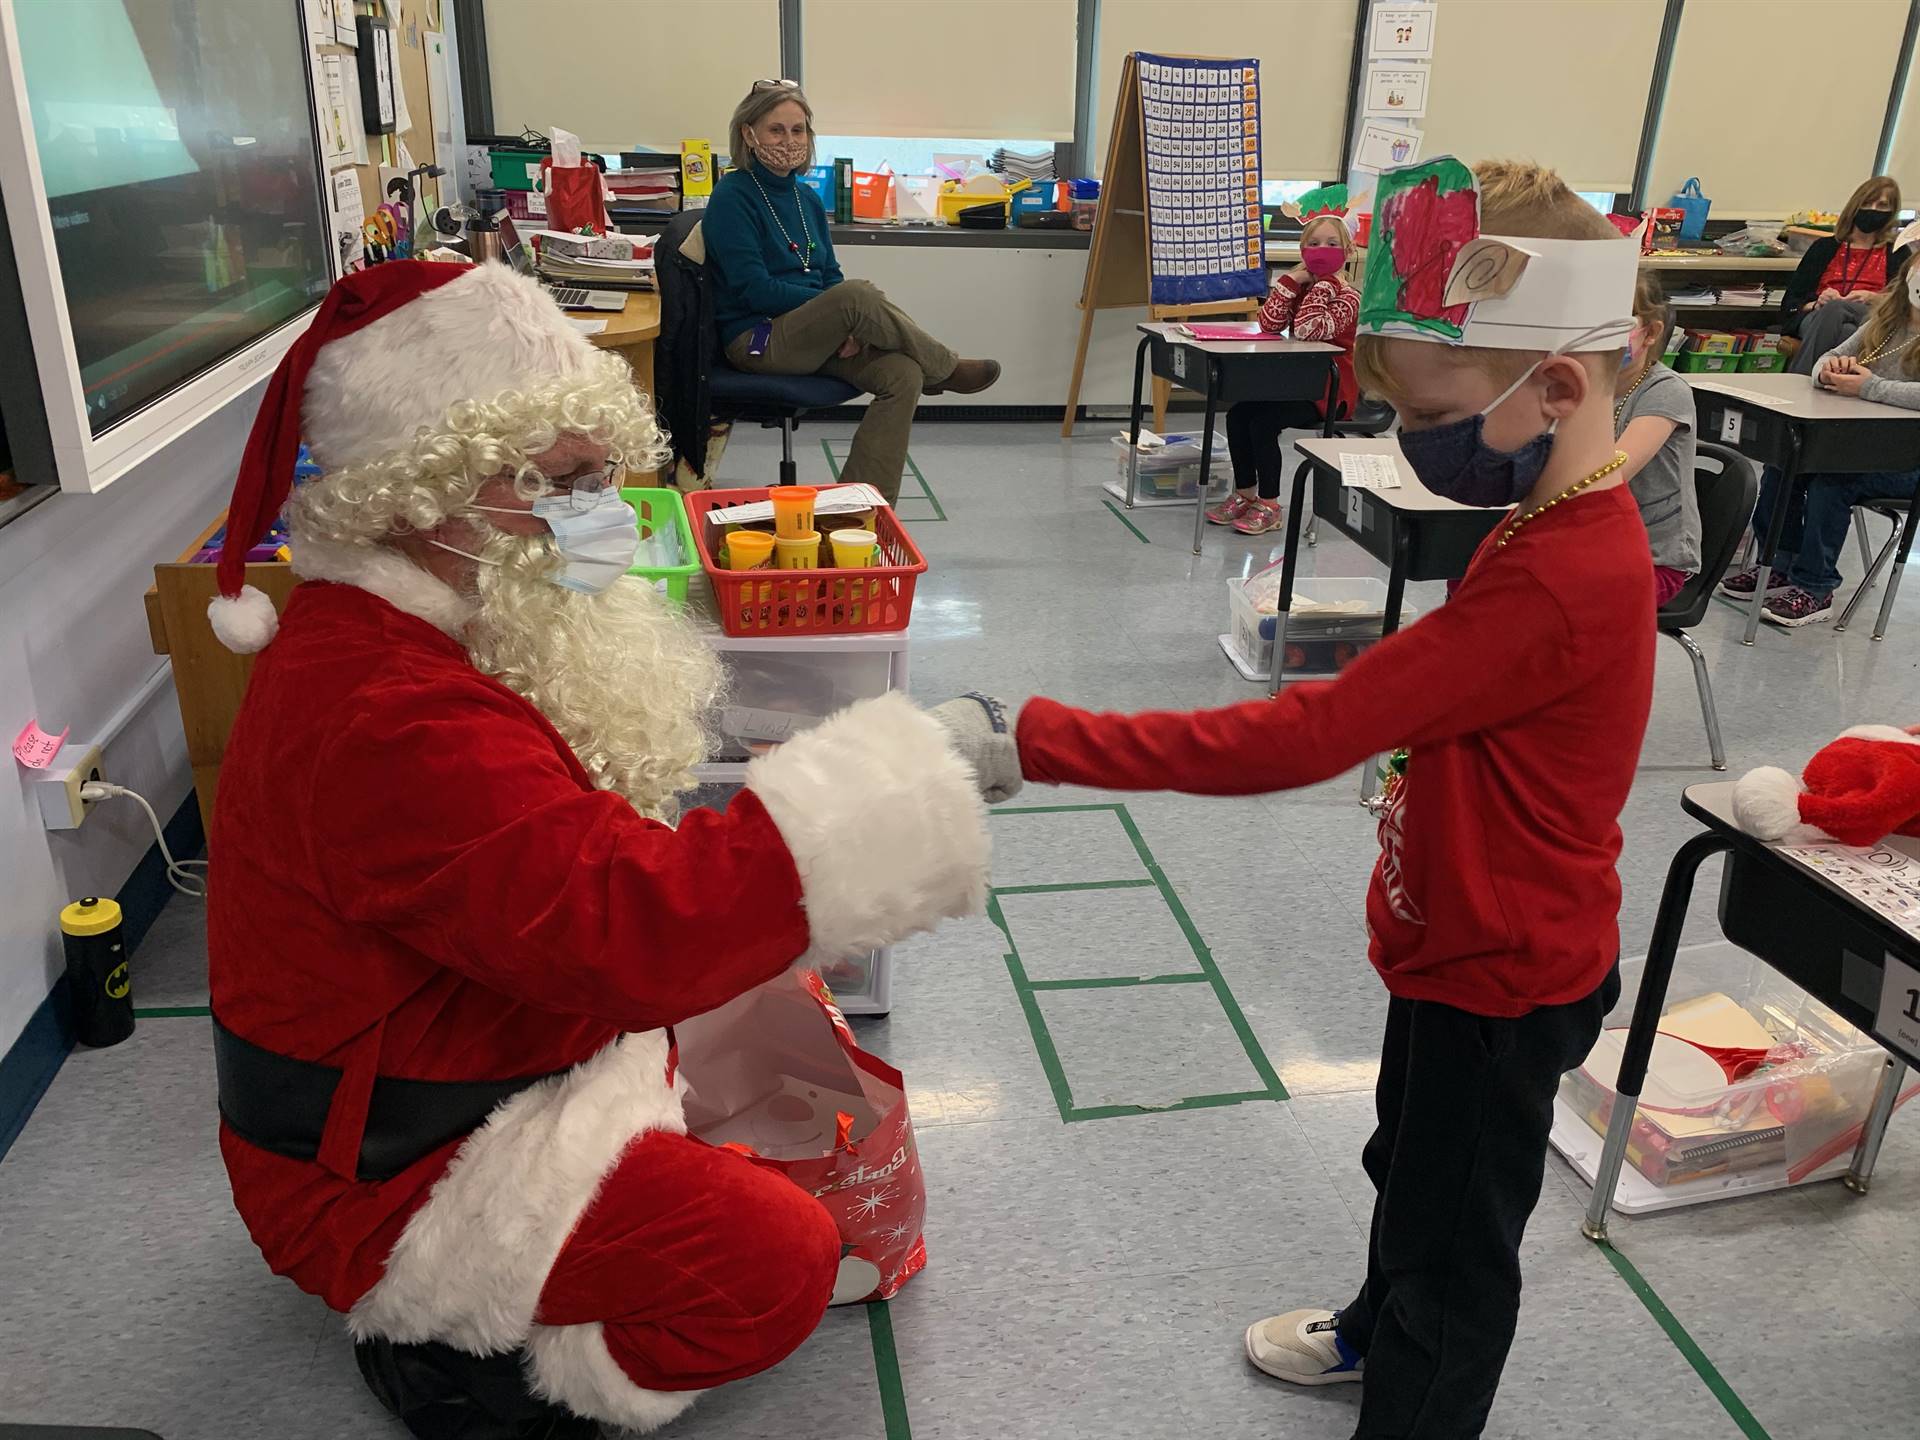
[1621, 404]
[1619, 459]
[800, 208]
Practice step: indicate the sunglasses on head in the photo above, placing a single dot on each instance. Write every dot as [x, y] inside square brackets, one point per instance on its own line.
[776, 85]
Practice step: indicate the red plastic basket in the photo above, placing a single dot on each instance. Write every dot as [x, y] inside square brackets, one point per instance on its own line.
[809, 602]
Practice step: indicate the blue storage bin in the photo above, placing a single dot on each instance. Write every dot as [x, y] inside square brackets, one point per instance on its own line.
[1035, 199]
[819, 179]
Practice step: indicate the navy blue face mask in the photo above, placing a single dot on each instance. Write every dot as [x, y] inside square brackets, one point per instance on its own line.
[1455, 462]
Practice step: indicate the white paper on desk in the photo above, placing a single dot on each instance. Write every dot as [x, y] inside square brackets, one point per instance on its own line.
[1369, 472]
[840, 500]
[1885, 880]
[587, 327]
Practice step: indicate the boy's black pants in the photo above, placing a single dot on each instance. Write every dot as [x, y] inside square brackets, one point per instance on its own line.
[1464, 1105]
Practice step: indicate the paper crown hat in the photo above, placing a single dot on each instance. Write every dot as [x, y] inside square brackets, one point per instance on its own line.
[1431, 274]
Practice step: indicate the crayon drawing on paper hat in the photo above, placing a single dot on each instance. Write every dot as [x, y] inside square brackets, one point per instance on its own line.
[1431, 274]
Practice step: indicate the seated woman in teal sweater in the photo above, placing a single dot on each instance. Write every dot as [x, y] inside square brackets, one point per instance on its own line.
[783, 306]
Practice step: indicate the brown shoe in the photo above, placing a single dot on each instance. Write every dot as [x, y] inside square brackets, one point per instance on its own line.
[969, 377]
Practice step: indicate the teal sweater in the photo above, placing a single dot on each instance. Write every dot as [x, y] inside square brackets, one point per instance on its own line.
[756, 276]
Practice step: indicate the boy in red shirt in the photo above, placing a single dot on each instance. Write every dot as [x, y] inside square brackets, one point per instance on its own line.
[1493, 911]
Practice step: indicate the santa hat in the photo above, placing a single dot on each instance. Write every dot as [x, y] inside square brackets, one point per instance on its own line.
[390, 351]
[1858, 790]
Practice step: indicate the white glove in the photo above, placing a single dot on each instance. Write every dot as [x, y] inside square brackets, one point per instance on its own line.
[981, 733]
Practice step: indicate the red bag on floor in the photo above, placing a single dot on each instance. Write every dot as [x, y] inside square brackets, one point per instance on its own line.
[777, 1074]
[576, 198]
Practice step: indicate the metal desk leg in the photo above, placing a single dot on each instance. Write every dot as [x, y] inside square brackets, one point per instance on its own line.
[1133, 421]
[1859, 1176]
[1770, 543]
[1390, 622]
[1289, 561]
[1899, 564]
[1206, 456]
[1654, 978]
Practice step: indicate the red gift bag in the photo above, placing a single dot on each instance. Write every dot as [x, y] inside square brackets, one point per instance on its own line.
[576, 198]
[777, 1075]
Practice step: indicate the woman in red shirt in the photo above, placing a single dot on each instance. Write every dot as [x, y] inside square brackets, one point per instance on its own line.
[1852, 265]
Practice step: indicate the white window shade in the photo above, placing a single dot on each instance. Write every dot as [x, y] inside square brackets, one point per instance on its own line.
[1305, 52]
[969, 69]
[1809, 148]
[1561, 82]
[622, 75]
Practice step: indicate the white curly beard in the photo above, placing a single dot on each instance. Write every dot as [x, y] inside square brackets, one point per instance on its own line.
[625, 680]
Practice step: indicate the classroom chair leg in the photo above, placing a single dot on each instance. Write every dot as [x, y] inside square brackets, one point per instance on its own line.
[1872, 565]
[789, 472]
[1708, 711]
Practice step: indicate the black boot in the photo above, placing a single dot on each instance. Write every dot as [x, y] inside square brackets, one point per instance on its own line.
[440, 1393]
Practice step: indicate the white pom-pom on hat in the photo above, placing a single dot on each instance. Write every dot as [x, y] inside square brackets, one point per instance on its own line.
[244, 623]
[1766, 804]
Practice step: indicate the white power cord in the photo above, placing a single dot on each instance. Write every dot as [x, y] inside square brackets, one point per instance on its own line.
[180, 873]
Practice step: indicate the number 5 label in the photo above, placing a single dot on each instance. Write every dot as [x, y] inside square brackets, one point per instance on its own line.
[1899, 1018]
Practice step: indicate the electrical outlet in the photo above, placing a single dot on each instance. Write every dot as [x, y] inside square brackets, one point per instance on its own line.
[58, 786]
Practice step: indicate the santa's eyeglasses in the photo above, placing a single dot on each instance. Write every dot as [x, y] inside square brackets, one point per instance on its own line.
[587, 488]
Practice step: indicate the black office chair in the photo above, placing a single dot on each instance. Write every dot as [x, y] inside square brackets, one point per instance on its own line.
[695, 384]
[1371, 418]
[1727, 495]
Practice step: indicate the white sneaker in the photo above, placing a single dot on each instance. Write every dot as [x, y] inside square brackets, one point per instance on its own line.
[1304, 1347]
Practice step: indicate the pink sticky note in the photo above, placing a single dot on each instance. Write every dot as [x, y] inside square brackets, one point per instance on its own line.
[35, 748]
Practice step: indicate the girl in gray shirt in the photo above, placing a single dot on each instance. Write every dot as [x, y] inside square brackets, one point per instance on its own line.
[1653, 421]
[1879, 362]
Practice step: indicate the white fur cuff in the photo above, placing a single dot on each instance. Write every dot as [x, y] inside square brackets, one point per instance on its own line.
[884, 822]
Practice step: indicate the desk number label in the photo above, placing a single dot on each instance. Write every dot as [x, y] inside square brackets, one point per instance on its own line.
[1730, 427]
[1180, 362]
[1899, 1018]
[1356, 509]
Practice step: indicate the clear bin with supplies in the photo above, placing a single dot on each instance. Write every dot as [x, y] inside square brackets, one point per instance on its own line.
[1330, 622]
[1167, 468]
[1753, 1085]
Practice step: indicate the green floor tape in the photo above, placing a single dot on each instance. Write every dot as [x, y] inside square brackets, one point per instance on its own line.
[886, 1369]
[1115, 510]
[170, 1012]
[834, 457]
[1208, 973]
[1686, 1345]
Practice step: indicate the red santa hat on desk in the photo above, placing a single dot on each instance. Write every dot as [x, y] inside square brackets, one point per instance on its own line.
[389, 354]
[1857, 790]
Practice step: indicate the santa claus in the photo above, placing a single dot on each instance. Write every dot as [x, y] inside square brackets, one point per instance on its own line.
[449, 931]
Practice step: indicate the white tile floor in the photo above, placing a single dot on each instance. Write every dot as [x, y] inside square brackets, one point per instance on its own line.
[1089, 1278]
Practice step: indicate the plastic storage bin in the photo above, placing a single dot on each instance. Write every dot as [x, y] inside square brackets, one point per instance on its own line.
[1754, 1085]
[1694, 362]
[1762, 362]
[774, 694]
[1170, 473]
[658, 508]
[1317, 644]
[516, 169]
[808, 602]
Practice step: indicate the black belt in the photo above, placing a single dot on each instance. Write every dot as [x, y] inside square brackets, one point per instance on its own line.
[280, 1105]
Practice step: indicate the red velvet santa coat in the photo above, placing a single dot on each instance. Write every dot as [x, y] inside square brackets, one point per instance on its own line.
[414, 877]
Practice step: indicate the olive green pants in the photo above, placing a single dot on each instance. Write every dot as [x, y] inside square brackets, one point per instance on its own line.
[896, 360]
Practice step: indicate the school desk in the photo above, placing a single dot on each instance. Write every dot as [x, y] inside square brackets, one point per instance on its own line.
[1227, 372]
[1788, 421]
[1828, 941]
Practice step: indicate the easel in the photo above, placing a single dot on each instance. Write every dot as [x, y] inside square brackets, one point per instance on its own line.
[1119, 264]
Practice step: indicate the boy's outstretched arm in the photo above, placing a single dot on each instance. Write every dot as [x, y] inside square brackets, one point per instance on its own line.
[1495, 652]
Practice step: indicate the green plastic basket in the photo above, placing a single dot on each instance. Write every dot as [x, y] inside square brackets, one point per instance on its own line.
[658, 507]
[1762, 362]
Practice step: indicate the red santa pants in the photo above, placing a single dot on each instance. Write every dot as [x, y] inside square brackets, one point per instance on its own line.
[698, 1266]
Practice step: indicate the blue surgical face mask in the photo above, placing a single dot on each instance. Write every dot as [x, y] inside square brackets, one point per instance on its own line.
[596, 533]
[1455, 461]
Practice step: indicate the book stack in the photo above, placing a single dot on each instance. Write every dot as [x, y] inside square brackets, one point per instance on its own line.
[1034, 165]
[655, 189]
[596, 261]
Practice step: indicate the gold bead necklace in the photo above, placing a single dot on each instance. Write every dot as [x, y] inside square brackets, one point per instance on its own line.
[1619, 459]
[1621, 404]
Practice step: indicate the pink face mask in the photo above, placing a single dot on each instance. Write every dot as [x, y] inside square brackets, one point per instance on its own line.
[1322, 260]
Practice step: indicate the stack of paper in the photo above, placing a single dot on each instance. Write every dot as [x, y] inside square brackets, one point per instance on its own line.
[603, 274]
[1035, 165]
[1691, 295]
[1743, 295]
[654, 189]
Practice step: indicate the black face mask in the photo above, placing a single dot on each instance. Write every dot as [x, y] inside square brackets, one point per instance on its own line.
[1871, 221]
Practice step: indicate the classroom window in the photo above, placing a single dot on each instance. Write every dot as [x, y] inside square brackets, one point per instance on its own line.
[627, 76]
[1305, 50]
[940, 67]
[1806, 152]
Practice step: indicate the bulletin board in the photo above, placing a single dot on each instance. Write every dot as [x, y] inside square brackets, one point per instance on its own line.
[360, 165]
[1179, 224]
